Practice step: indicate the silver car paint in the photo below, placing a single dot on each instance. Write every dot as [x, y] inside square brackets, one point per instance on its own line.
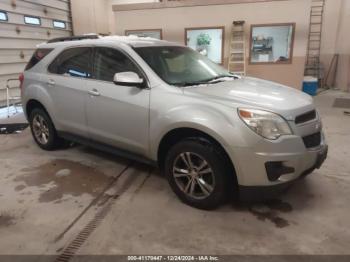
[137, 119]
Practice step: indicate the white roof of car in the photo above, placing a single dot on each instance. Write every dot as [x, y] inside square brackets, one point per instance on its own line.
[133, 41]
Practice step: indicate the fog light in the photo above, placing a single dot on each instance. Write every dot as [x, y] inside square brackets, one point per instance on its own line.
[275, 170]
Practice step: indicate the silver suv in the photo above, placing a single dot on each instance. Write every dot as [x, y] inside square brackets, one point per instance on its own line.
[213, 134]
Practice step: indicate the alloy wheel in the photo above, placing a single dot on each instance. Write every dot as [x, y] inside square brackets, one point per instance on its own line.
[41, 130]
[193, 175]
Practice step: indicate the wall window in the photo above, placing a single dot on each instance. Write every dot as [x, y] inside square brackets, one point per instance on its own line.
[75, 62]
[59, 24]
[153, 33]
[32, 20]
[207, 41]
[3, 16]
[272, 43]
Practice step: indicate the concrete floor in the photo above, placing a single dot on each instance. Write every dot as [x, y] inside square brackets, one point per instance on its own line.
[106, 205]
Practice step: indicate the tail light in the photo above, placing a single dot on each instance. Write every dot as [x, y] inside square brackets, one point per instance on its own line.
[21, 80]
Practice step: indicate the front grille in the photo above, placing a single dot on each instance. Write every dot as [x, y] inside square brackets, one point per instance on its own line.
[306, 117]
[312, 140]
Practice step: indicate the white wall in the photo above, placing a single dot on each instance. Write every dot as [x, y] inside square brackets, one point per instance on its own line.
[343, 48]
[174, 20]
[336, 40]
[97, 16]
[120, 2]
[91, 16]
[18, 40]
[330, 31]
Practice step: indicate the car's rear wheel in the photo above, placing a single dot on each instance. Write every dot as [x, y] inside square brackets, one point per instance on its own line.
[43, 130]
[198, 173]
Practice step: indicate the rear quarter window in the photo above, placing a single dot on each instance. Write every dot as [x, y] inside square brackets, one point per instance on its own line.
[38, 55]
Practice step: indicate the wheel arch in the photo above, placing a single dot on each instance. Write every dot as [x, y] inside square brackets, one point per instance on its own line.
[32, 104]
[175, 135]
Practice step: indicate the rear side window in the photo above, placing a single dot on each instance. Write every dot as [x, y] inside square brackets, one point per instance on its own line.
[109, 61]
[75, 62]
[38, 55]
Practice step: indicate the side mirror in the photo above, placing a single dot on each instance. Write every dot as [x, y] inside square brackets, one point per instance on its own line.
[129, 79]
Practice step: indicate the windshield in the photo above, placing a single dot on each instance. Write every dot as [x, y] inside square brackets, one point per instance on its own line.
[182, 66]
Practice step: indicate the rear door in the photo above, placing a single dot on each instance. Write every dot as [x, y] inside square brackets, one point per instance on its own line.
[67, 85]
[117, 115]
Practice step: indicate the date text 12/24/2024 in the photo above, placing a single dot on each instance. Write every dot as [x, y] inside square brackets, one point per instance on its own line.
[173, 258]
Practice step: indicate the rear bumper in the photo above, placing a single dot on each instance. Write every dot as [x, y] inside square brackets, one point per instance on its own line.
[260, 193]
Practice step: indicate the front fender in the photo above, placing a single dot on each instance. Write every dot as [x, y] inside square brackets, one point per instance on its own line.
[216, 122]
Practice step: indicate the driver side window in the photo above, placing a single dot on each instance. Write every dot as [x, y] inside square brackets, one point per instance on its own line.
[109, 61]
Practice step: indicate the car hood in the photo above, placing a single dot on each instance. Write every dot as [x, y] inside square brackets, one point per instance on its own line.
[252, 92]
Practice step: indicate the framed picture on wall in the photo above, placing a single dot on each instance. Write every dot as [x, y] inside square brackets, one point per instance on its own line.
[153, 33]
[208, 41]
[272, 43]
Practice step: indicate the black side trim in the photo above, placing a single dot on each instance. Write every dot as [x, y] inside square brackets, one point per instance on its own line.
[262, 193]
[106, 148]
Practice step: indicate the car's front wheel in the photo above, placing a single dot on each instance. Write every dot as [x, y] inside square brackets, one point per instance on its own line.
[198, 173]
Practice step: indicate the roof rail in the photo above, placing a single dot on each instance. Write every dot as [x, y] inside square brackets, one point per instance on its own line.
[73, 38]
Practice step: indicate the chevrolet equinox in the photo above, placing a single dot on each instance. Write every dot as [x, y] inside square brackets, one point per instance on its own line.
[210, 132]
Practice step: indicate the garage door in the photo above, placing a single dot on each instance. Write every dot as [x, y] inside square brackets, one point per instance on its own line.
[23, 25]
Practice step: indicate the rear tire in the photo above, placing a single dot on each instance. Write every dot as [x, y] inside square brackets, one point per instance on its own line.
[198, 173]
[43, 130]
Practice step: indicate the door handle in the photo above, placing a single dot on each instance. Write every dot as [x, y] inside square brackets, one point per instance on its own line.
[51, 82]
[94, 92]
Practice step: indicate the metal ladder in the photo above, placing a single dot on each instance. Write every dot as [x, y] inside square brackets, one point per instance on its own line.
[313, 64]
[237, 58]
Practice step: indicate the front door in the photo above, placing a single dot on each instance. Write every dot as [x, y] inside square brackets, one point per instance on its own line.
[117, 115]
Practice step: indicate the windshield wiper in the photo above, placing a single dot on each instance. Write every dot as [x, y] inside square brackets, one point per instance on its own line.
[219, 78]
[212, 80]
[192, 83]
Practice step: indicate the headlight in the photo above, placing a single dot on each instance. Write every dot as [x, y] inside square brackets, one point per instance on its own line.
[266, 124]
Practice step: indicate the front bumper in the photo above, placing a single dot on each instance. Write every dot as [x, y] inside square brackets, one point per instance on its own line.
[259, 193]
[288, 155]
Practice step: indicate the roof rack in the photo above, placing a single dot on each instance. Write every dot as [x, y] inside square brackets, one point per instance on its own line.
[73, 38]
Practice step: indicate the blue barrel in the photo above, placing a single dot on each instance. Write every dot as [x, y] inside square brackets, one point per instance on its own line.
[310, 85]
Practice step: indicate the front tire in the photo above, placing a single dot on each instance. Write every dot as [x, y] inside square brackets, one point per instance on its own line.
[43, 130]
[198, 173]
